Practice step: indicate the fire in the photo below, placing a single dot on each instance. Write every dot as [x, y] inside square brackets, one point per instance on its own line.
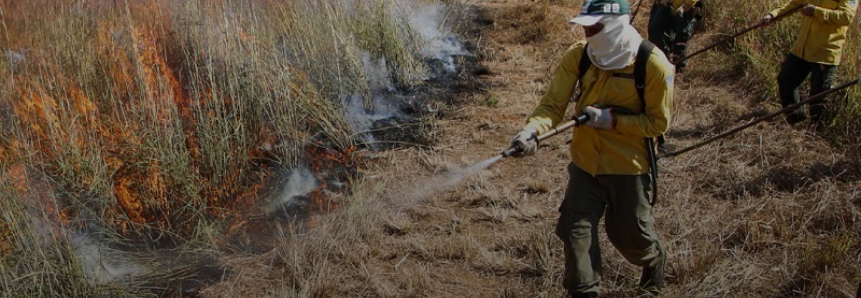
[142, 85]
[327, 161]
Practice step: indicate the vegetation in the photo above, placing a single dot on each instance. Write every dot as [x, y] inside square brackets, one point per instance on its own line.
[150, 122]
[157, 127]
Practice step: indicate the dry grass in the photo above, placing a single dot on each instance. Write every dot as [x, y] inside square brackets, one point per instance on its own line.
[157, 123]
[768, 212]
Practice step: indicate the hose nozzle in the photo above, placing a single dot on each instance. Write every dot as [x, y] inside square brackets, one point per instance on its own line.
[576, 121]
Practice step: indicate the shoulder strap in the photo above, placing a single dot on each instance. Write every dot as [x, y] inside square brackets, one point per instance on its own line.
[643, 54]
[585, 64]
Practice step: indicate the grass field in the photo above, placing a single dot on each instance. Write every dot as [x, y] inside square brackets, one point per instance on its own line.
[140, 138]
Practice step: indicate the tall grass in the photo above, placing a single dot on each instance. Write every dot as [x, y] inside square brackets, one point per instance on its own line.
[152, 119]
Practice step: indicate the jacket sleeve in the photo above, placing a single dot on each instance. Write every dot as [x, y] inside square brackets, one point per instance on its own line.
[658, 97]
[792, 4]
[552, 108]
[842, 15]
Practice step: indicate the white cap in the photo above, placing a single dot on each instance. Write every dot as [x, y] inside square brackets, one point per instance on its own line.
[586, 19]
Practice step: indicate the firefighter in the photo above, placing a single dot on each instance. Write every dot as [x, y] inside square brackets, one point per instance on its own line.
[816, 52]
[609, 173]
[671, 25]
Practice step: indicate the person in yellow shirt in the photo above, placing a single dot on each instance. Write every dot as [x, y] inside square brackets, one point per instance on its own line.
[609, 172]
[816, 52]
[671, 25]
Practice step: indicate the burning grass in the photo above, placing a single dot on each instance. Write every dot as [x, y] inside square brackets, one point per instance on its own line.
[166, 124]
[162, 124]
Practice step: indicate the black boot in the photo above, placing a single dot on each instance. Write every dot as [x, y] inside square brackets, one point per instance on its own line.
[583, 295]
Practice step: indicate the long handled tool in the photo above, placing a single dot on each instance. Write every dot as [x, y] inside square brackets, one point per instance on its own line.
[636, 10]
[751, 28]
[576, 121]
[764, 118]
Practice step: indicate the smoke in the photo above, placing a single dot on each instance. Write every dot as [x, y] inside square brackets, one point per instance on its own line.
[300, 183]
[15, 57]
[102, 265]
[439, 47]
[440, 43]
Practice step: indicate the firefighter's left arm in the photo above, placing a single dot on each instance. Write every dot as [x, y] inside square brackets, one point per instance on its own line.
[842, 14]
[658, 97]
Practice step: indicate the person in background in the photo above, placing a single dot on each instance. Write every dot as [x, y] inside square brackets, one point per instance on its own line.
[671, 25]
[816, 52]
[608, 174]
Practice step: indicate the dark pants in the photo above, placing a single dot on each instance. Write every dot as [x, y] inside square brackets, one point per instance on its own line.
[671, 33]
[793, 71]
[629, 225]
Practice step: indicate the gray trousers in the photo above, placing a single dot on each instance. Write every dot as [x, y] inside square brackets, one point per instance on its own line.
[629, 225]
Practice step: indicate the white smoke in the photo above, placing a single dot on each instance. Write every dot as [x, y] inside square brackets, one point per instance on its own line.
[102, 265]
[440, 42]
[15, 57]
[361, 119]
[300, 183]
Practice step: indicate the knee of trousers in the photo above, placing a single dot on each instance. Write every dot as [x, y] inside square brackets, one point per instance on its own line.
[635, 241]
[574, 228]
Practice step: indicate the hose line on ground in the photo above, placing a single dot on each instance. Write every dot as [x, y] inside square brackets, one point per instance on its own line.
[764, 118]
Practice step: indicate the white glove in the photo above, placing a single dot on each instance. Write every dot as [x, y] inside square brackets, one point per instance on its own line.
[600, 118]
[526, 141]
[766, 20]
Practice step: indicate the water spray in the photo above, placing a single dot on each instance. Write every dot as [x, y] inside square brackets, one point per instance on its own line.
[576, 121]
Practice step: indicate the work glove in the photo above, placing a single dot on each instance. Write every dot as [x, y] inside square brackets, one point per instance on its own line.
[766, 20]
[600, 118]
[526, 141]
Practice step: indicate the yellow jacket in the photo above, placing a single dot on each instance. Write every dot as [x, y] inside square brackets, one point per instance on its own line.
[822, 36]
[621, 151]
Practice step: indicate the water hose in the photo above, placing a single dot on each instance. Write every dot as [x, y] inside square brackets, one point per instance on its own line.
[764, 118]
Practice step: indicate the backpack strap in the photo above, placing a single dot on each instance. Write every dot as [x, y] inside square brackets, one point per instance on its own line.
[642, 60]
[640, 63]
[585, 64]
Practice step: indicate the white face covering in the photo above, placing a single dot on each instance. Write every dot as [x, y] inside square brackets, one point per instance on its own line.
[616, 45]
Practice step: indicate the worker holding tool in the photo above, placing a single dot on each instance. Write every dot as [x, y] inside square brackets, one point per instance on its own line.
[816, 52]
[671, 25]
[609, 172]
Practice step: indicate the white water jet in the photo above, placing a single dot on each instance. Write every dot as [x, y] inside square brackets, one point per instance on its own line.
[422, 189]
